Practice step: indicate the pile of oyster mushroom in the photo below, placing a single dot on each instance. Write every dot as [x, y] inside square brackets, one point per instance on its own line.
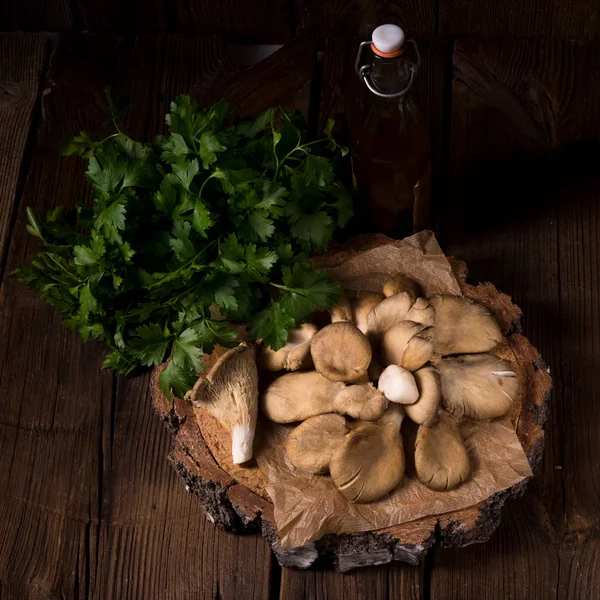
[384, 357]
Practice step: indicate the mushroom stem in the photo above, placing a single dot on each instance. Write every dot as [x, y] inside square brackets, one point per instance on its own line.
[242, 438]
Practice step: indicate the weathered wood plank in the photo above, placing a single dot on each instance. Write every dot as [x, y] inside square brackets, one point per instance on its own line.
[260, 21]
[36, 15]
[580, 567]
[22, 60]
[358, 18]
[522, 211]
[520, 561]
[53, 389]
[155, 541]
[393, 581]
[532, 19]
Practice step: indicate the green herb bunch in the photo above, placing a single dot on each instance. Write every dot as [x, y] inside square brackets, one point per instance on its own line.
[209, 226]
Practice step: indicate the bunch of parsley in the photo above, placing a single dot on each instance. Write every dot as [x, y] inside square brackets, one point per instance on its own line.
[209, 226]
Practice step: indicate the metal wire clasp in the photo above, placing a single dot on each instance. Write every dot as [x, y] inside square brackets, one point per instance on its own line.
[364, 72]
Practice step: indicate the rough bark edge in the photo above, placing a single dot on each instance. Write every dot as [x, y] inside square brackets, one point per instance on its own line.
[237, 509]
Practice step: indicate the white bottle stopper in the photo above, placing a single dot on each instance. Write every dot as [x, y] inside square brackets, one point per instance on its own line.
[388, 38]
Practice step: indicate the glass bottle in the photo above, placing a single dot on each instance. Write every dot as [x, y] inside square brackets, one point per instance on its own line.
[391, 158]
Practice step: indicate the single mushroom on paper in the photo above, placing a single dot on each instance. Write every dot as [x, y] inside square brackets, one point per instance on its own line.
[441, 459]
[229, 392]
[300, 395]
[370, 462]
[478, 386]
[341, 352]
[311, 445]
[463, 326]
[294, 355]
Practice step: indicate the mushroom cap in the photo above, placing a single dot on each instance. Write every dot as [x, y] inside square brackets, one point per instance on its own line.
[398, 385]
[364, 303]
[424, 411]
[361, 402]
[370, 462]
[419, 350]
[229, 392]
[422, 312]
[387, 313]
[342, 311]
[294, 355]
[463, 326]
[341, 352]
[401, 283]
[479, 386]
[407, 344]
[311, 445]
[299, 395]
[441, 459]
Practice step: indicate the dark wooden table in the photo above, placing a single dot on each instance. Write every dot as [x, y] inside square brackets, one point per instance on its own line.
[89, 506]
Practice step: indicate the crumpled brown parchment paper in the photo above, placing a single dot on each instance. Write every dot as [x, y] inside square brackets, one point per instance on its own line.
[308, 507]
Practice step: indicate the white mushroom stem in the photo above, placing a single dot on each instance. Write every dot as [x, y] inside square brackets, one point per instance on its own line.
[242, 439]
[398, 385]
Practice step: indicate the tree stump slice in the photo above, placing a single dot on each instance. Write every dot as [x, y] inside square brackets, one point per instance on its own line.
[234, 498]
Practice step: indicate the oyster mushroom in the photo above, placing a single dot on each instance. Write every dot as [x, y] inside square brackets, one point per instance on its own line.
[463, 326]
[401, 283]
[229, 392]
[294, 355]
[341, 352]
[370, 462]
[311, 445]
[398, 385]
[364, 303]
[424, 411]
[441, 459]
[479, 386]
[342, 311]
[298, 396]
[422, 312]
[386, 314]
[360, 402]
[355, 306]
[407, 344]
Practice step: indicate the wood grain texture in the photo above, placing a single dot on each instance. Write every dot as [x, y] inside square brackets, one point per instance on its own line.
[54, 392]
[21, 69]
[255, 21]
[36, 15]
[358, 18]
[522, 211]
[520, 561]
[532, 19]
[393, 581]
[89, 505]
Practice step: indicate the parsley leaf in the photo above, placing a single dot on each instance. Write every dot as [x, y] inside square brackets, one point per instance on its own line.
[208, 226]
